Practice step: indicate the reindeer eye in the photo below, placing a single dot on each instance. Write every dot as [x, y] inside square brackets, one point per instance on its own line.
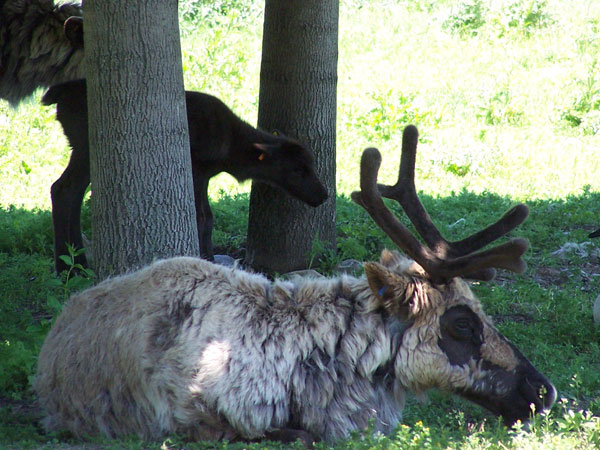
[462, 328]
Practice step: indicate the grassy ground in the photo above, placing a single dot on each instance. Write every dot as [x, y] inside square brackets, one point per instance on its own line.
[506, 95]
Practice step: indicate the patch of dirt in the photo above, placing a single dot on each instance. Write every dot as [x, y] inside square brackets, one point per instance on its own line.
[551, 276]
[26, 406]
[513, 317]
[583, 274]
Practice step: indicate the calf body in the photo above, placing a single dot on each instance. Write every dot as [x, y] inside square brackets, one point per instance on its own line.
[219, 142]
[34, 49]
[187, 346]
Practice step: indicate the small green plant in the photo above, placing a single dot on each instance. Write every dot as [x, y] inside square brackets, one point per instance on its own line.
[76, 277]
[467, 18]
[499, 109]
[322, 256]
[584, 111]
[456, 169]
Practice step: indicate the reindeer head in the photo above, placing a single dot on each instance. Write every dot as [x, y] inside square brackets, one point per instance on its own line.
[449, 342]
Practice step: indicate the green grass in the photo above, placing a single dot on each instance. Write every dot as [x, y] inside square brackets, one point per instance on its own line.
[506, 95]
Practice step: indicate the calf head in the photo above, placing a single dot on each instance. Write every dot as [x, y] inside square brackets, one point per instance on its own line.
[289, 166]
[445, 338]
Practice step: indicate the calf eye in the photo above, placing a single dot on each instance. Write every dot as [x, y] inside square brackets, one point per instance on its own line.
[300, 171]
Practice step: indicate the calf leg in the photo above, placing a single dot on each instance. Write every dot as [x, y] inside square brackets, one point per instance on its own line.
[67, 195]
[204, 216]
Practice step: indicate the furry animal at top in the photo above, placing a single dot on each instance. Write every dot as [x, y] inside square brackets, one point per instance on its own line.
[188, 346]
[35, 51]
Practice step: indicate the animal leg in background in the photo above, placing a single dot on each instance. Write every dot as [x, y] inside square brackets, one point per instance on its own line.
[204, 215]
[67, 195]
[68, 191]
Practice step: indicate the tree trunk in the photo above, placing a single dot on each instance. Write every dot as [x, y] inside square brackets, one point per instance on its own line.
[142, 193]
[298, 84]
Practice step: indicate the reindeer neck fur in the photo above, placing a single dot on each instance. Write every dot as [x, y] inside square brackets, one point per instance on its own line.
[346, 377]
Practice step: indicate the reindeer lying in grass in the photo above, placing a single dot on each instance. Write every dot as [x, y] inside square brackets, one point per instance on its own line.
[219, 142]
[190, 347]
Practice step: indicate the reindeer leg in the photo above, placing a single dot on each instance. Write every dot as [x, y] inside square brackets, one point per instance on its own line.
[67, 195]
[289, 435]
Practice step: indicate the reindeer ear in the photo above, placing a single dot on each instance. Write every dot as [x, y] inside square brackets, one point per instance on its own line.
[73, 27]
[380, 280]
[388, 287]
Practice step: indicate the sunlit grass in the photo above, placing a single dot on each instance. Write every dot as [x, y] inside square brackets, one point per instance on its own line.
[493, 104]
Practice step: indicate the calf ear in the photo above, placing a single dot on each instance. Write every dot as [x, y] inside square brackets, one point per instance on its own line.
[265, 150]
[74, 30]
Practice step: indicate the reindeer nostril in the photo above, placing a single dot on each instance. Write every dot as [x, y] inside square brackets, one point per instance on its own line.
[545, 392]
[550, 397]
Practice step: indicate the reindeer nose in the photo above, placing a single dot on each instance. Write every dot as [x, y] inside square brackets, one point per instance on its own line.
[550, 396]
[544, 391]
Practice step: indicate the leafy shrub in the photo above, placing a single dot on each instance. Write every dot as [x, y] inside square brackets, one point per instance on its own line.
[25, 231]
[584, 112]
[231, 217]
[27, 310]
[23, 318]
[390, 113]
[209, 12]
[522, 16]
[467, 18]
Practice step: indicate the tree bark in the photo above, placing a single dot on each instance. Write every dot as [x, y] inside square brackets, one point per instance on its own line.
[298, 83]
[142, 202]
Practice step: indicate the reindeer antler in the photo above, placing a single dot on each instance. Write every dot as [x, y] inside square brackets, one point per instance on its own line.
[442, 260]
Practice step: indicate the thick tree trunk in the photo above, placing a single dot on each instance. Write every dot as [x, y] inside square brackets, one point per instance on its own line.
[142, 193]
[298, 84]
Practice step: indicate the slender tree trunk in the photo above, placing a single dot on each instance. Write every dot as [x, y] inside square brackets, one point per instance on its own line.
[142, 194]
[298, 84]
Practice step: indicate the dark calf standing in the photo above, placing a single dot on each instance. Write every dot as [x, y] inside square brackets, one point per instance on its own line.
[219, 142]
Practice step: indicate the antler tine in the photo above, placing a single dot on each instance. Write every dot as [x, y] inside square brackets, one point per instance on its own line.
[405, 193]
[509, 221]
[370, 199]
[442, 260]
